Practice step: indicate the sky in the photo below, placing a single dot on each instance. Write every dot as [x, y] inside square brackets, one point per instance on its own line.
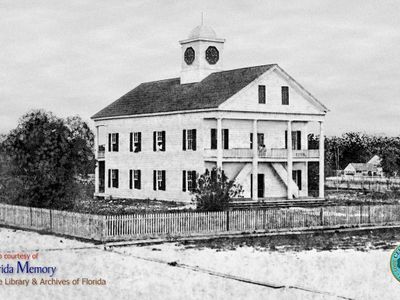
[76, 57]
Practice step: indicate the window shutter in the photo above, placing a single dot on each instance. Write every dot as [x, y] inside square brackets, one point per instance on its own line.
[163, 183]
[117, 142]
[226, 138]
[139, 179]
[184, 140]
[184, 181]
[154, 180]
[285, 139]
[130, 179]
[299, 179]
[194, 179]
[213, 138]
[194, 139]
[299, 140]
[154, 140]
[109, 142]
[131, 142]
[139, 147]
[163, 140]
[251, 141]
[116, 178]
[109, 178]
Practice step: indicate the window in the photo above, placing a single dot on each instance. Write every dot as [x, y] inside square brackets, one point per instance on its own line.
[296, 175]
[285, 95]
[135, 142]
[189, 139]
[159, 141]
[159, 180]
[113, 178]
[225, 138]
[261, 94]
[188, 180]
[134, 179]
[260, 140]
[296, 140]
[113, 142]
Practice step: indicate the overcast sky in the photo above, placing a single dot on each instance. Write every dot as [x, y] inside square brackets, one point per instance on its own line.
[75, 57]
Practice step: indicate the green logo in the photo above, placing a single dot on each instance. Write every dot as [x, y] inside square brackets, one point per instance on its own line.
[395, 263]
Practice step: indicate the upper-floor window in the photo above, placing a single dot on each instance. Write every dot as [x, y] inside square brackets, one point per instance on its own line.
[159, 180]
[134, 179]
[296, 140]
[189, 139]
[159, 141]
[260, 140]
[188, 180]
[113, 142]
[285, 95]
[113, 178]
[135, 142]
[261, 94]
[224, 138]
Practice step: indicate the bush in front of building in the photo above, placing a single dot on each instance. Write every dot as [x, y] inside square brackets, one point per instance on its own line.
[214, 191]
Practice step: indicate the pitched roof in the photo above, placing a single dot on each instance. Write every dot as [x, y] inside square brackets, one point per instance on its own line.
[364, 167]
[169, 95]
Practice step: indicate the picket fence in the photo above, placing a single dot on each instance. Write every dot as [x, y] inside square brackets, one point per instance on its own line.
[182, 224]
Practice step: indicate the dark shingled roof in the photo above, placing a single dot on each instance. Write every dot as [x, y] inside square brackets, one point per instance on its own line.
[169, 95]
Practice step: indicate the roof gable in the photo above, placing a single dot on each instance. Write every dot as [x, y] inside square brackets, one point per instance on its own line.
[169, 95]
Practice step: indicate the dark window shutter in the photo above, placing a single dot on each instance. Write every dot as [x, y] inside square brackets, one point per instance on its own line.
[139, 179]
[130, 179]
[117, 178]
[131, 142]
[184, 181]
[109, 177]
[261, 94]
[226, 138]
[194, 179]
[154, 140]
[213, 138]
[163, 183]
[194, 134]
[299, 178]
[251, 141]
[109, 142]
[285, 139]
[184, 140]
[163, 140]
[117, 142]
[139, 147]
[154, 180]
[299, 140]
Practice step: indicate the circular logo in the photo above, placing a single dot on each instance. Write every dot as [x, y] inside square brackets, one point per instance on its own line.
[395, 263]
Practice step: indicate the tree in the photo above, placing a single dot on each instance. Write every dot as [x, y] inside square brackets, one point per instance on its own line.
[214, 191]
[46, 154]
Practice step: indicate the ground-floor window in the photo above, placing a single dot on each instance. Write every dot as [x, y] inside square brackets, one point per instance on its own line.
[159, 180]
[188, 180]
[296, 175]
[113, 178]
[135, 179]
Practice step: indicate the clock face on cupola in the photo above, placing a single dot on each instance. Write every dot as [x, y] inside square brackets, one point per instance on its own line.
[201, 54]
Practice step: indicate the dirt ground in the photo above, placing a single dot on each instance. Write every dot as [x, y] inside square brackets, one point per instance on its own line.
[208, 271]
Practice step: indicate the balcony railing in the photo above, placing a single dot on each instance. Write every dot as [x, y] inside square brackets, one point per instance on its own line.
[100, 151]
[266, 153]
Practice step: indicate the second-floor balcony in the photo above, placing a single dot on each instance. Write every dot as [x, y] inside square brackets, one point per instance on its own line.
[246, 153]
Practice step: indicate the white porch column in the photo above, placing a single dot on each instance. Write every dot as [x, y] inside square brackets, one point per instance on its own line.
[289, 160]
[321, 160]
[96, 154]
[219, 143]
[255, 161]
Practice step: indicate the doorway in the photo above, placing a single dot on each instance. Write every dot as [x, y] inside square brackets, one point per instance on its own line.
[102, 173]
[260, 187]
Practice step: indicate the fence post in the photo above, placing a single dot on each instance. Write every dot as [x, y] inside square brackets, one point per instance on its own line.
[264, 218]
[51, 219]
[30, 214]
[227, 220]
[321, 215]
[369, 214]
[360, 214]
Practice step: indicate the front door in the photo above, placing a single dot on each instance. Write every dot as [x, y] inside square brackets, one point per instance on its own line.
[102, 173]
[260, 190]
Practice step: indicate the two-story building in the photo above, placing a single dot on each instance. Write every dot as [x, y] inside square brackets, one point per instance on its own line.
[252, 122]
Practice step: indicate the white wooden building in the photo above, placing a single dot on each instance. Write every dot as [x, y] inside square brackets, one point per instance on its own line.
[153, 140]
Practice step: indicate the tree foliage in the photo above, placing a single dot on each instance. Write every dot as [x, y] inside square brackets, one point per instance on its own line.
[214, 191]
[46, 154]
